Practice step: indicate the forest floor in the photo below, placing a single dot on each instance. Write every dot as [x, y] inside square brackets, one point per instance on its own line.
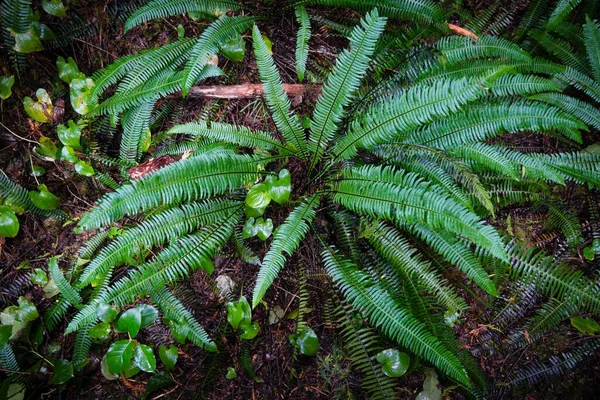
[279, 373]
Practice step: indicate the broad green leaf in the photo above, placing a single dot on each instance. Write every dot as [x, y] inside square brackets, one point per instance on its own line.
[250, 229]
[63, 371]
[27, 42]
[144, 358]
[130, 321]
[431, 386]
[39, 277]
[585, 325]
[27, 312]
[268, 43]
[253, 212]
[44, 199]
[235, 49]
[67, 70]
[264, 228]
[306, 341]
[38, 170]
[231, 373]
[106, 313]
[47, 149]
[131, 369]
[148, 313]
[100, 331]
[393, 362]
[111, 376]
[9, 224]
[168, 356]
[588, 253]
[279, 189]
[83, 168]
[5, 334]
[16, 391]
[6, 84]
[119, 355]
[239, 312]
[250, 330]
[50, 290]
[40, 110]
[54, 7]
[68, 154]
[257, 196]
[156, 382]
[69, 136]
[82, 99]
[179, 331]
[42, 31]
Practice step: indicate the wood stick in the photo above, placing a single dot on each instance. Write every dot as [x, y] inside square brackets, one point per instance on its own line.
[248, 90]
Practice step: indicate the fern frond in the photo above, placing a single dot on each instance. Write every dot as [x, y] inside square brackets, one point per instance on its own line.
[554, 279]
[65, 288]
[459, 49]
[404, 197]
[191, 179]
[55, 315]
[582, 82]
[476, 124]
[168, 8]
[582, 110]
[351, 66]
[393, 247]
[286, 240]
[591, 34]
[560, 49]
[222, 30]
[19, 196]
[168, 225]
[302, 38]
[581, 167]
[234, 134]
[81, 349]
[534, 18]
[136, 122]
[392, 119]
[385, 313]
[566, 222]
[511, 85]
[176, 311]
[561, 11]
[279, 104]
[8, 361]
[243, 251]
[457, 253]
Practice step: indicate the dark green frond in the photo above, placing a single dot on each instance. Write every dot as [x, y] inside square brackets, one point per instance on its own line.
[385, 313]
[65, 288]
[560, 49]
[511, 85]
[302, 39]
[286, 240]
[136, 125]
[591, 34]
[561, 11]
[168, 8]
[204, 176]
[279, 104]
[584, 111]
[351, 66]
[566, 222]
[459, 49]
[581, 167]
[582, 82]
[19, 196]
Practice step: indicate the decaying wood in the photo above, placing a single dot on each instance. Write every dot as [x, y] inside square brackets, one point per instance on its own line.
[462, 31]
[249, 90]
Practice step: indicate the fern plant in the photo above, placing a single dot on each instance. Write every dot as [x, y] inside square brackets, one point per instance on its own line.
[408, 178]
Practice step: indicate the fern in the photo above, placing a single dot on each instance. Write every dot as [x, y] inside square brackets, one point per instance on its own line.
[561, 11]
[591, 33]
[302, 38]
[136, 123]
[167, 8]
[17, 195]
[69, 293]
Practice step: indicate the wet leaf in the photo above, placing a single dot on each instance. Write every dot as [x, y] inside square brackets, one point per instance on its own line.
[100, 331]
[39, 277]
[68, 154]
[44, 199]
[257, 196]
[67, 70]
[239, 312]
[69, 136]
[431, 386]
[83, 168]
[119, 355]
[148, 313]
[234, 49]
[268, 42]
[6, 84]
[40, 110]
[589, 253]
[250, 229]
[130, 321]
[168, 356]
[111, 376]
[279, 189]
[27, 42]
[144, 358]
[9, 223]
[63, 371]
[231, 374]
[254, 212]
[585, 325]
[82, 100]
[393, 362]
[47, 149]
[106, 313]
[250, 330]
[38, 170]
[306, 341]
[54, 7]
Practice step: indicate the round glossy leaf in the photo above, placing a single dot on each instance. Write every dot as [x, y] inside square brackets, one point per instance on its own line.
[67, 70]
[38, 170]
[54, 7]
[235, 49]
[257, 196]
[106, 370]
[279, 189]
[27, 312]
[250, 229]
[9, 224]
[106, 313]
[83, 168]
[144, 358]
[589, 253]
[168, 356]
[47, 149]
[179, 331]
[306, 341]
[148, 313]
[27, 42]
[264, 228]
[100, 331]
[39, 277]
[68, 154]
[6, 84]
[63, 371]
[250, 330]
[44, 199]
[585, 325]
[131, 370]
[393, 362]
[42, 30]
[69, 136]
[239, 312]
[130, 321]
[82, 100]
[254, 212]
[119, 355]
[231, 374]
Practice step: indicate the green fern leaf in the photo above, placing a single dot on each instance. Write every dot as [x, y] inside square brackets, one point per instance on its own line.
[19, 196]
[561, 11]
[302, 38]
[63, 286]
[136, 122]
[591, 34]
